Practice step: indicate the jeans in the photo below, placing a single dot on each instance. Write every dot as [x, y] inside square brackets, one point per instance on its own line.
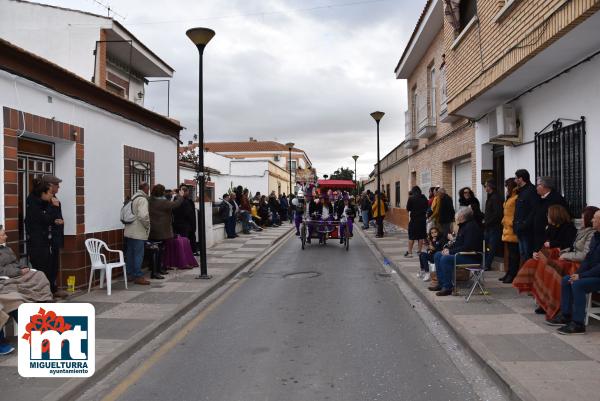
[525, 246]
[365, 218]
[573, 296]
[444, 267]
[134, 254]
[424, 259]
[298, 220]
[493, 239]
[513, 258]
[245, 217]
[230, 227]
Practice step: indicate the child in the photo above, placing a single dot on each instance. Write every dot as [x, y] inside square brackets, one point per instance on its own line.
[435, 243]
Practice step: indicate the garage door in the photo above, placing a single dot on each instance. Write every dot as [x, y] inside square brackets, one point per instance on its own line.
[462, 178]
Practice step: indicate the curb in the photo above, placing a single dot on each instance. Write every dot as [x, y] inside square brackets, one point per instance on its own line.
[511, 387]
[76, 387]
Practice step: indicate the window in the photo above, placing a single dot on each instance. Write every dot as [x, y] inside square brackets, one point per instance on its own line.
[387, 192]
[467, 10]
[116, 89]
[398, 194]
[415, 106]
[432, 98]
[292, 165]
[444, 87]
[560, 154]
[425, 181]
[139, 172]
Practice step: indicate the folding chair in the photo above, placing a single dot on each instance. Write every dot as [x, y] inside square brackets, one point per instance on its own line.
[593, 309]
[475, 270]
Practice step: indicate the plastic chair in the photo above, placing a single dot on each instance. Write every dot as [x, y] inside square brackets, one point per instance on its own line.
[476, 271]
[593, 309]
[94, 247]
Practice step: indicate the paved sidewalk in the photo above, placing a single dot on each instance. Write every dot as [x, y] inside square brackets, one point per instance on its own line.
[527, 355]
[130, 317]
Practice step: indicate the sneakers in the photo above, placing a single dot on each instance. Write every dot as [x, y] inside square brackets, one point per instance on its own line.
[420, 274]
[444, 292]
[558, 320]
[408, 255]
[6, 348]
[572, 328]
[539, 311]
[426, 277]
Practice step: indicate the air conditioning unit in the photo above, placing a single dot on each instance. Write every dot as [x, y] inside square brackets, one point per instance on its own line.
[503, 126]
[276, 158]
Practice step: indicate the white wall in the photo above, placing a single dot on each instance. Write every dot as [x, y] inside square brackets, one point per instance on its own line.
[46, 32]
[104, 137]
[571, 96]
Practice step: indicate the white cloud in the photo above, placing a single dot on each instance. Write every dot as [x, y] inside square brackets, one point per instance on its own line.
[276, 70]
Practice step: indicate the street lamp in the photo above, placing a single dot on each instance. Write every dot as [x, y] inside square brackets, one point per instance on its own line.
[201, 37]
[377, 116]
[290, 145]
[355, 157]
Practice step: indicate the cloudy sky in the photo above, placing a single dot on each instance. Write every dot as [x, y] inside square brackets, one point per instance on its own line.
[305, 71]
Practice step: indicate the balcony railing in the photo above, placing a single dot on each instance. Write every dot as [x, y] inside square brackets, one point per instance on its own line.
[426, 127]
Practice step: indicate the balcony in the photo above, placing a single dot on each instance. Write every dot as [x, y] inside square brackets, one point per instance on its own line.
[444, 116]
[426, 127]
[410, 142]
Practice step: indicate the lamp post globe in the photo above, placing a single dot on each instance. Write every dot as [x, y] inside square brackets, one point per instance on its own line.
[355, 157]
[377, 116]
[200, 37]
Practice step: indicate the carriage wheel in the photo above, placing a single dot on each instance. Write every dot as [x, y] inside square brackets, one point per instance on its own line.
[303, 235]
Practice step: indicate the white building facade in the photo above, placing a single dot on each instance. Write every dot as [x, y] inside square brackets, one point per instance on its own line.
[101, 145]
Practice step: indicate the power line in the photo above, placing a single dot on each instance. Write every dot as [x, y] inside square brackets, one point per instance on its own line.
[264, 13]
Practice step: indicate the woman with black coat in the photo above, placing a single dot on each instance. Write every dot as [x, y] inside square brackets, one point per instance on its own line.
[466, 198]
[417, 206]
[40, 218]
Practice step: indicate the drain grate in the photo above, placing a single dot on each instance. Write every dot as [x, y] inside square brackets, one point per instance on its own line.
[302, 275]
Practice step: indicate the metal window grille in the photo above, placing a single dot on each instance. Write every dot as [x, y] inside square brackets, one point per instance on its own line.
[397, 193]
[139, 172]
[560, 154]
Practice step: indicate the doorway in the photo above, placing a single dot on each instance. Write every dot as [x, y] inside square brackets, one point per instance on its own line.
[35, 158]
[498, 166]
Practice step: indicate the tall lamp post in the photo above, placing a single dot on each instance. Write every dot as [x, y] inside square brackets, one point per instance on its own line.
[200, 37]
[355, 157]
[290, 146]
[377, 116]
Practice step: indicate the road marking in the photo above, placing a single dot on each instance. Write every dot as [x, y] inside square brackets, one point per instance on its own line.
[138, 373]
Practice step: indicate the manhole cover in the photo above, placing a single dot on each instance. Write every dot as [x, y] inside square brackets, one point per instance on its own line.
[302, 275]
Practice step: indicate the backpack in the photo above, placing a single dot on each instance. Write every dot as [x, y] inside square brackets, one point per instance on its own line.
[127, 214]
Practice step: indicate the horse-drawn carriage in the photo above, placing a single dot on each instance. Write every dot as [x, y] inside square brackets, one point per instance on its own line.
[328, 219]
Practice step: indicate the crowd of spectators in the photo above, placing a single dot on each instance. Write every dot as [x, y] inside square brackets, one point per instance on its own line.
[547, 256]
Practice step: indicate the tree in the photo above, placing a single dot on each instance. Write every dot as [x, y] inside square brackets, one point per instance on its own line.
[342, 173]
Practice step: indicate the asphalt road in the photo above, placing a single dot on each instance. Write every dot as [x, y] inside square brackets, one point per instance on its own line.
[318, 324]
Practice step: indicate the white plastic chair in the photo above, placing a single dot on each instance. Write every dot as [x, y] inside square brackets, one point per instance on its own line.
[94, 247]
[593, 308]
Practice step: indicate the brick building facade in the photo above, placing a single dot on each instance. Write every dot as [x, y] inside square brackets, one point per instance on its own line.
[440, 146]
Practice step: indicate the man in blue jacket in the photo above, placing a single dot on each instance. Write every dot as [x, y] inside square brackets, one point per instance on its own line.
[574, 288]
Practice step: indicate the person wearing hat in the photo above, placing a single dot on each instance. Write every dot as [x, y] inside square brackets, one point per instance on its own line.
[57, 233]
